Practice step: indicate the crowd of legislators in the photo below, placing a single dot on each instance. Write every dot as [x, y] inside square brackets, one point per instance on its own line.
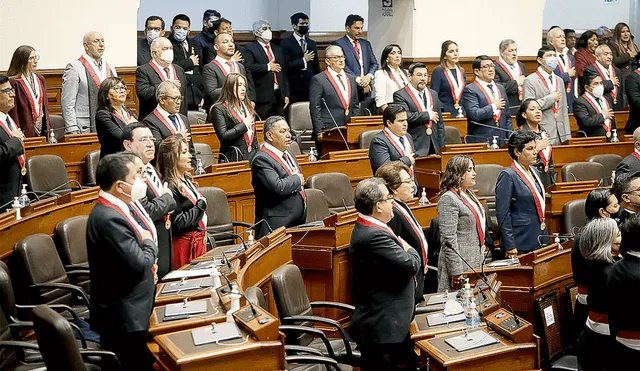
[149, 197]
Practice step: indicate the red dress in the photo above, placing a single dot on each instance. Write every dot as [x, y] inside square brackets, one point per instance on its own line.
[22, 113]
[188, 224]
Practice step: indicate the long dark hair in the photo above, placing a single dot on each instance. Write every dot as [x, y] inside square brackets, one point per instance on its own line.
[228, 94]
[520, 121]
[167, 159]
[596, 200]
[443, 52]
[583, 41]
[103, 92]
[385, 54]
[19, 61]
[454, 172]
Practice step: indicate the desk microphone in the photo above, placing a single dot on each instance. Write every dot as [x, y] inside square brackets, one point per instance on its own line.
[228, 284]
[566, 238]
[226, 260]
[485, 139]
[52, 192]
[491, 127]
[335, 123]
[199, 153]
[258, 222]
[238, 153]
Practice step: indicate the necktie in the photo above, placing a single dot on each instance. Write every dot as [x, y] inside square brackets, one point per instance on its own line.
[174, 121]
[402, 142]
[490, 86]
[551, 79]
[599, 103]
[10, 124]
[562, 58]
[166, 70]
[100, 64]
[356, 47]
[288, 161]
[341, 81]
[185, 46]
[303, 45]
[230, 64]
[271, 59]
[138, 218]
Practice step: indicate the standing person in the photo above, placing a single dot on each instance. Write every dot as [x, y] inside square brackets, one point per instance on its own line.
[393, 143]
[122, 250]
[570, 37]
[632, 89]
[391, 76]
[112, 116]
[301, 58]
[586, 53]
[234, 120]
[626, 189]
[511, 73]
[548, 90]
[189, 220]
[204, 40]
[153, 29]
[267, 65]
[80, 83]
[592, 111]
[184, 55]
[277, 180]
[523, 220]
[566, 65]
[12, 159]
[624, 50]
[449, 79]
[611, 77]
[463, 223]
[31, 110]
[384, 302]
[528, 118]
[631, 163]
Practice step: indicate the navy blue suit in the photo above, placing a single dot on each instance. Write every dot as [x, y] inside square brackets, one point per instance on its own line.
[479, 110]
[299, 79]
[352, 65]
[521, 227]
[568, 80]
[440, 84]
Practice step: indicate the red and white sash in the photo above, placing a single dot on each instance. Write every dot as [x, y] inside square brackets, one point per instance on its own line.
[589, 98]
[417, 229]
[224, 71]
[125, 118]
[420, 104]
[497, 96]
[636, 154]
[457, 86]
[160, 71]
[132, 221]
[155, 187]
[375, 223]
[190, 191]
[402, 77]
[477, 211]
[564, 68]
[334, 83]
[512, 74]
[248, 137]
[556, 105]
[5, 126]
[545, 154]
[287, 169]
[34, 103]
[390, 135]
[537, 197]
[608, 75]
[91, 68]
[166, 123]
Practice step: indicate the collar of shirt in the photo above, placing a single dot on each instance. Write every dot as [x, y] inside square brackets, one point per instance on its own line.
[160, 68]
[418, 95]
[273, 149]
[298, 38]
[264, 46]
[166, 115]
[546, 76]
[3, 117]
[92, 61]
[344, 77]
[396, 139]
[224, 62]
[116, 201]
[636, 150]
[513, 66]
[352, 40]
[374, 221]
[608, 70]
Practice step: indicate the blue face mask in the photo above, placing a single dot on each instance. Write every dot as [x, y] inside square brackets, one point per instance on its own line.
[180, 34]
[551, 63]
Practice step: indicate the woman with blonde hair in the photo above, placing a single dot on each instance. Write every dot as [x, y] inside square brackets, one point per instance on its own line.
[189, 220]
[624, 49]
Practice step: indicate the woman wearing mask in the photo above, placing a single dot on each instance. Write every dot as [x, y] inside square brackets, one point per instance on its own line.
[528, 118]
[592, 112]
[31, 110]
[586, 53]
[624, 50]
[391, 77]
[112, 115]
[234, 120]
[449, 79]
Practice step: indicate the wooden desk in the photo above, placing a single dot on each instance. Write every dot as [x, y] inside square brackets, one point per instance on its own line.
[332, 141]
[420, 329]
[157, 324]
[355, 164]
[558, 195]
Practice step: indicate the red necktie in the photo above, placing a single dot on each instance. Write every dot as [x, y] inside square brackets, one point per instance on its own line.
[341, 81]
[356, 47]
[272, 59]
[231, 69]
[185, 46]
[166, 70]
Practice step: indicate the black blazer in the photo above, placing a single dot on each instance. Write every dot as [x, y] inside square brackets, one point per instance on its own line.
[299, 80]
[278, 198]
[383, 286]
[382, 150]
[214, 77]
[231, 132]
[182, 58]
[121, 274]
[579, 265]
[628, 165]
[597, 273]
[510, 86]
[10, 176]
[608, 87]
[623, 278]
[147, 80]
[160, 132]
[321, 88]
[424, 144]
[186, 216]
[144, 52]
[590, 121]
[479, 110]
[256, 61]
[632, 88]
[109, 129]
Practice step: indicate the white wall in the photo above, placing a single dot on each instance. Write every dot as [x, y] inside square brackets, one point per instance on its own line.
[55, 29]
[391, 30]
[585, 14]
[329, 15]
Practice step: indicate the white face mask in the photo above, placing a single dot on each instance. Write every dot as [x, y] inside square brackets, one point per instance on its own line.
[152, 35]
[180, 34]
[267, 35]
[598, 91]
[167, 56]
[139, 189]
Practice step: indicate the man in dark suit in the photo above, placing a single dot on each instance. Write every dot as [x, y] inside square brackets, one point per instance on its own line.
[383, 283]
[592, 111]
[204, 40]
[632, 88]
[511, 73]
[631, 163]
[122, 250]
[223, 26]
[12, 157]
[267, 66]
[626, 189]
[184, 55]
[423, 111]
[153, 28]
[611, 76]
[484, 103]
[224, 63]
[159, 202]
[392, 143]
[360, 60]
[277, 181]
[332, 95]
[150, 75]
[566, 68]
[301, 57]
[166, 120]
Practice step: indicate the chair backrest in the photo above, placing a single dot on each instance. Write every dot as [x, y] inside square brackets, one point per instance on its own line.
[8, 358]
[204, 153]
[300, 121]
[317, 208]
[56, 340]
[36, 261]
[57, 125]
[7, 298]
[365, 138]
[574, 215]
[46, 172]
[452, 135]
[91, 160]
[486, 178]
[294, 149]
[291, 297]
[609, 161]
[219, 222]
[256, 296]
[72, 240]
[196, 117]
[571, 292]
[336, 188]
[548, 321]
[582, 171]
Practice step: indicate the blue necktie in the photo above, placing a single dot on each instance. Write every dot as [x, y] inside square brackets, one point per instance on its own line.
[137, 217]
[175, 122]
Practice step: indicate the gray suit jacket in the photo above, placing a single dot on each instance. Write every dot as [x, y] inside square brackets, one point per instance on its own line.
[214, 78]
[457, 226]
[559, 129]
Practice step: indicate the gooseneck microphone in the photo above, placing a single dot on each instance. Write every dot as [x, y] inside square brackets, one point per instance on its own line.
[498, 234]
[346, 144]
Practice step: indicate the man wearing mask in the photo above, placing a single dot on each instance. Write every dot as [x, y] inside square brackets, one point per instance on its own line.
[205, 38]
[611, 76]
[80, 83]
[592, 112]
[566, 68]
[548, 89]
[12, 159]
[266, 63]
[631, 163]
[153, 28]
[510, 73]
[150, 75]
[300, 54]
[184, 55]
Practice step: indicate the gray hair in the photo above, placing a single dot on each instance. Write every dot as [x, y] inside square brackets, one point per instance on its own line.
[331, 48]
[367, 194]
[551, 33]
[600, 48]
[597, 238]
[636, 135]
[155, 44]
[257, 25]
[504, 44]
[164, 87]
[269, 123]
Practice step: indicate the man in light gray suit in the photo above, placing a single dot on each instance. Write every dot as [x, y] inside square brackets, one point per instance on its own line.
[549, 91]
[80, 83]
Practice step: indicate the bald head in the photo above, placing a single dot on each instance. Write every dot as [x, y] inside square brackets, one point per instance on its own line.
[160, 46]
[224, 46]
[93, 43]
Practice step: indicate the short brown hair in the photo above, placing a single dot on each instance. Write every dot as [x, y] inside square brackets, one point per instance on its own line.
[390, 173]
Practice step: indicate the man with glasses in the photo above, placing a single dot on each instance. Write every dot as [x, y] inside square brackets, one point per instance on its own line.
[627, 190]
[333, 95]
[166, 120]
[153, 28]
[485, 104]
[12, 157]
[80, 83]
[161, 68]
[631, 163]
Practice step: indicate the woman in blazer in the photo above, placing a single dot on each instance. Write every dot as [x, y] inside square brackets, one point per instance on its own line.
[234, 120]
[449, 79]
[522, 219]
[528, 118]
[112, 116]
[462, 223]
[189, 220]
[31, 110]
[391, 77]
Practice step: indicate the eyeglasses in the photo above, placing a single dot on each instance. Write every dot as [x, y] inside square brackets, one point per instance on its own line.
[175, 99]
[388, 199]
[147, 139]
[34, 58]
[336, 57]
[408, 181]
[8, 91]
[488, 67]
[120, 88]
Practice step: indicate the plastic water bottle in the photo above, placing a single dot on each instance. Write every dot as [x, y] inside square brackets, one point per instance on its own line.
[52, 137]
[312, 155]
[466, 296]
[423, 198]
[472, 318]
[199, 167]
[251, 240]
[613, 177]
[16, 206]
[494, 143]
[614, 137]
[24, 199]
[557, 241]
